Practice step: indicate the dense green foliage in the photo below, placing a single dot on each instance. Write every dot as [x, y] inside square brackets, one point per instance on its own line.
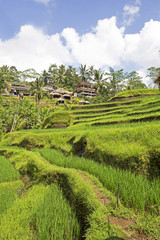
[57, 120]
[25, 111]
[7, 172]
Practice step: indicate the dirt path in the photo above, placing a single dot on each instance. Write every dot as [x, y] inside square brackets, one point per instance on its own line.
[121, 222]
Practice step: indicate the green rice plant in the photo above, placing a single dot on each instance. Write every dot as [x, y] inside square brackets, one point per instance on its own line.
[8, 194]
[123, 118]
[91, 213]
[102, 105]
[7, 172]
[129, 146]
[138, 92]
[135, 191]
[15, 224]
[40, 214]
[54, 218]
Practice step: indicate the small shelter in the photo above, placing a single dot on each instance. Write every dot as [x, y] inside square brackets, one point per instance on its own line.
[60, 100]
[67, 97]
[82, 102]
[55, 95]
[63, 91]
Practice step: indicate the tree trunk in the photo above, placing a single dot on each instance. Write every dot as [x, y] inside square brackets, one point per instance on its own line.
[15, 117]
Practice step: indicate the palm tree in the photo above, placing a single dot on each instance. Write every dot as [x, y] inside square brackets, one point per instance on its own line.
[115, 79]
[99, 79]
[157, 80]
[46, 77]
[3, 86]
[84, 73]
[61, 75]
[52, 71]
[37, 90]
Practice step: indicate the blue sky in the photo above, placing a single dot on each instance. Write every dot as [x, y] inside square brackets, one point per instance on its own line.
[79, 14]
[103, 33]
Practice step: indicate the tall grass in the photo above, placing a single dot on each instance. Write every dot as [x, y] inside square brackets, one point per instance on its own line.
[41, 214]
[54, 218]
[7, 172]
[135, 191]
[8, 194]
[7, 197]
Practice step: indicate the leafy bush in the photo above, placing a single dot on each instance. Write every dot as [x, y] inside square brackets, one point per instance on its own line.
[57, 120]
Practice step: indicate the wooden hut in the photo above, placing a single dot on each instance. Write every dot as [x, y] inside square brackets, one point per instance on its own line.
[55, 95]
[60, 100]
[82, 102]
[67, 97]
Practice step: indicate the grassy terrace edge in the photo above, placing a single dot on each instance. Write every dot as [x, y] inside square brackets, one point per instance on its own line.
[132, 147]
[89, 210]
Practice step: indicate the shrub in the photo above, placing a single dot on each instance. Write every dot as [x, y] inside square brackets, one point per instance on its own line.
[57, 120]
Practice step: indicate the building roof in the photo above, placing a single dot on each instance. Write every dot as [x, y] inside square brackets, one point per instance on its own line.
[60, 99]
[82, 101]
[66, 95]
[62, 91]
[54, 93]
[85, 83]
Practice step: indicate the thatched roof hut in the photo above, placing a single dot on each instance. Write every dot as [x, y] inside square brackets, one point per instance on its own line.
[63, 91]
[55, 95]
[82, 102]
[67, 96]
[60, 100]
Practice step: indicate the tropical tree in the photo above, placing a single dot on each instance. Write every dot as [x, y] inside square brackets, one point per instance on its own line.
[45, 76]
[91, 72]
[157, 80]
[71, 78]
[98, 78]
[53, 71]
[114, 80]
[152, 73]
[29, 75]
[9, 74]
[3, 86]
[60, 75]
[84, 73]
[134, 81]
[37, 90]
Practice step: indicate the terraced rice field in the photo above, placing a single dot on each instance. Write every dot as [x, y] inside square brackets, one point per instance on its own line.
[142, 109]
[94, 180]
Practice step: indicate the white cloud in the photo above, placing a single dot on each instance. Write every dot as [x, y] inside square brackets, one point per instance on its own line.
[106, 45]
[103, 46]
[32, 48]
[143, 48]
[46, 2]
[130, 12]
